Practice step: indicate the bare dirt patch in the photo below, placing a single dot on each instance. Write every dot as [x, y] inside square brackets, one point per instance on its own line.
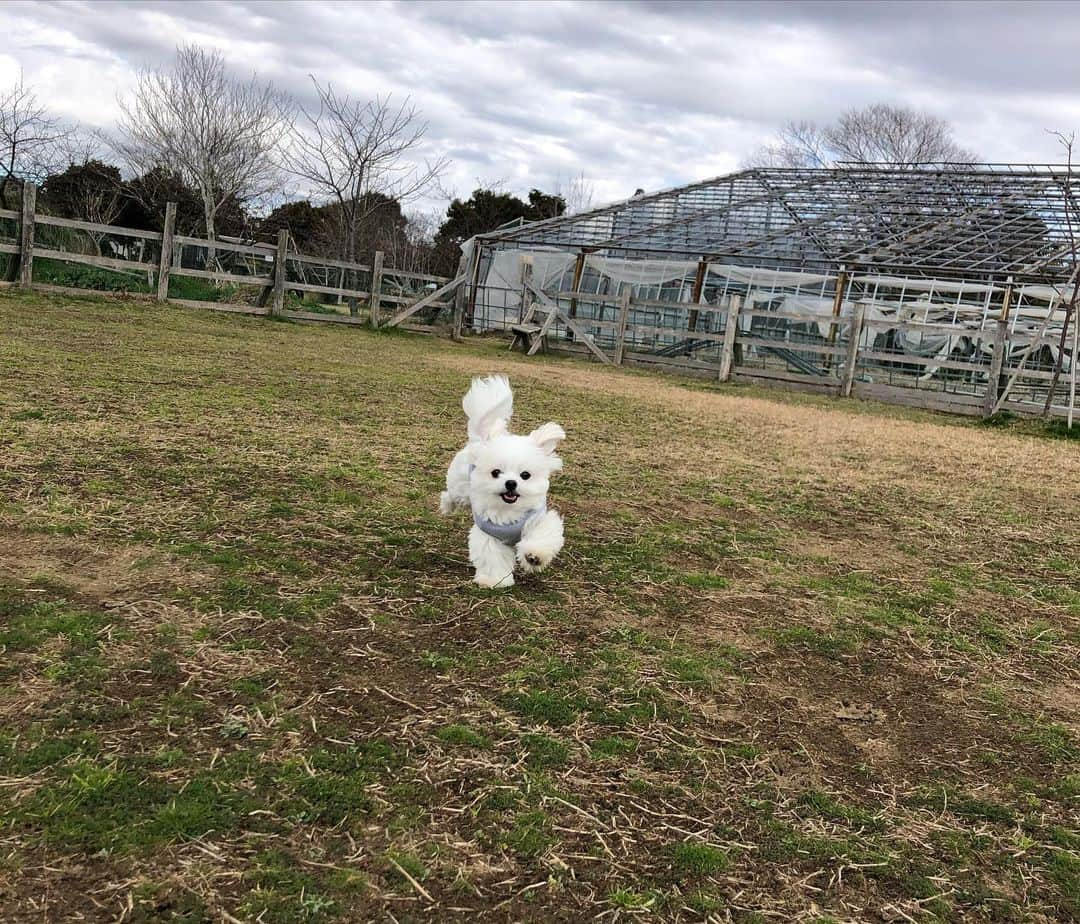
[93, 570]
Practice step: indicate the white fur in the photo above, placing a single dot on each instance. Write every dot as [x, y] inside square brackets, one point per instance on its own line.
[488, 405]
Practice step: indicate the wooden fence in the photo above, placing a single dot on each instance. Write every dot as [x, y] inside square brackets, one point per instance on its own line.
[369, 294]
[757, 346]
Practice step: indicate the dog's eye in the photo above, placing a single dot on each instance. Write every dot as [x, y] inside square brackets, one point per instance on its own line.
[496, 473]
[525, 476]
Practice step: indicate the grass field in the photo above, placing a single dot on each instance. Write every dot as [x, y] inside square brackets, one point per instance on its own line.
[802, 659]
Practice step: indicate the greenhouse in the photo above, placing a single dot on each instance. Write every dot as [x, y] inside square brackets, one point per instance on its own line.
[933, 259]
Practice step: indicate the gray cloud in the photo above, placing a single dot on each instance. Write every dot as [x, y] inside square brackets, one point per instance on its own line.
[630, 93]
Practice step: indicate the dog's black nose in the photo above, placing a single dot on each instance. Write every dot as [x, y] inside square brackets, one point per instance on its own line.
[511, 485]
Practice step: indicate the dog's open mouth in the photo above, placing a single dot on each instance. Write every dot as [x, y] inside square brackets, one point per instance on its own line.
[509, 496]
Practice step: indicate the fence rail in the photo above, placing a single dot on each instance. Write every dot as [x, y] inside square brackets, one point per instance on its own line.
[94, 226]
[269, 272]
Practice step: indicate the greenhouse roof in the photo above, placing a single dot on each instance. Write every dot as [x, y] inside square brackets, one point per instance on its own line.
[930, 220]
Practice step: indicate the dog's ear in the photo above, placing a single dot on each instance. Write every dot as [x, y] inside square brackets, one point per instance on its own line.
[548, 436]
[488, 427]
[490, 432]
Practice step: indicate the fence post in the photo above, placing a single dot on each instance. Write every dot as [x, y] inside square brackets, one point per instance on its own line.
[26, 239]
[470, 306]
[837, 309]
[376, 288]
[997, 362]
[1074, 362]
[695, 294]
[731, 330]
[166, 258]
[620, 337]
[1006, 299]
[579, 270]
[851, 359]
[277, 304]
[526, 301]
[459, 314]
[459, 301]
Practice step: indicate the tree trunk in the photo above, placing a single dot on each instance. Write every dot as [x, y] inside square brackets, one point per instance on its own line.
[9, 176]
[12, 260]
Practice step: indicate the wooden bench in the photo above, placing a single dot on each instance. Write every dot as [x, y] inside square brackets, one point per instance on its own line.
[523, 334]
[529, 334]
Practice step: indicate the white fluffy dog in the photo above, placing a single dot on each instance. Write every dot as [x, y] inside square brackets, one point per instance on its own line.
[504, 479]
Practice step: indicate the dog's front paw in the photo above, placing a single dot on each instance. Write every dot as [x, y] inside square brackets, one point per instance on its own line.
[532, 559]
[542, 541]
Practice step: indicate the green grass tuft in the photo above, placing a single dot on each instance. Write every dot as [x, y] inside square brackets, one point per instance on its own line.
[555, 709]
[463, 737]
[694, 859]
[544, 752]
[530, 835]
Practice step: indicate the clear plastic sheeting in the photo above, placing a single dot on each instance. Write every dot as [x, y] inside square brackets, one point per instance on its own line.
[912, 284]
[502, 283]
[934, 334]
[768, 278]
[885, 298]
[639, 272]
[1059, 294]
[817, 311]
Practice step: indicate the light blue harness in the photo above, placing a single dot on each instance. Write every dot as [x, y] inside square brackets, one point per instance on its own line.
[506, 533]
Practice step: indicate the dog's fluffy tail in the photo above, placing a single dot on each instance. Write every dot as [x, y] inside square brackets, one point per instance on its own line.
[488, 404]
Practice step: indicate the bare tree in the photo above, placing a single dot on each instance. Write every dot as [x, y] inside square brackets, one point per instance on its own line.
[577, 193]
[31, 140]
[799, 144]
[195, 121]
[412, 248]
[894, 134]
[876, 134]
[357, 154]
[102, 195]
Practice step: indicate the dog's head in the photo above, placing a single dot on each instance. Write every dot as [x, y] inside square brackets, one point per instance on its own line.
[511, 474]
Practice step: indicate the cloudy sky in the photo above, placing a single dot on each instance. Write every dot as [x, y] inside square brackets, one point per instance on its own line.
[646, 94]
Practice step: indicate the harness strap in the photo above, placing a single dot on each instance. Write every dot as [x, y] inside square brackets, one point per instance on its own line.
[507, 533]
